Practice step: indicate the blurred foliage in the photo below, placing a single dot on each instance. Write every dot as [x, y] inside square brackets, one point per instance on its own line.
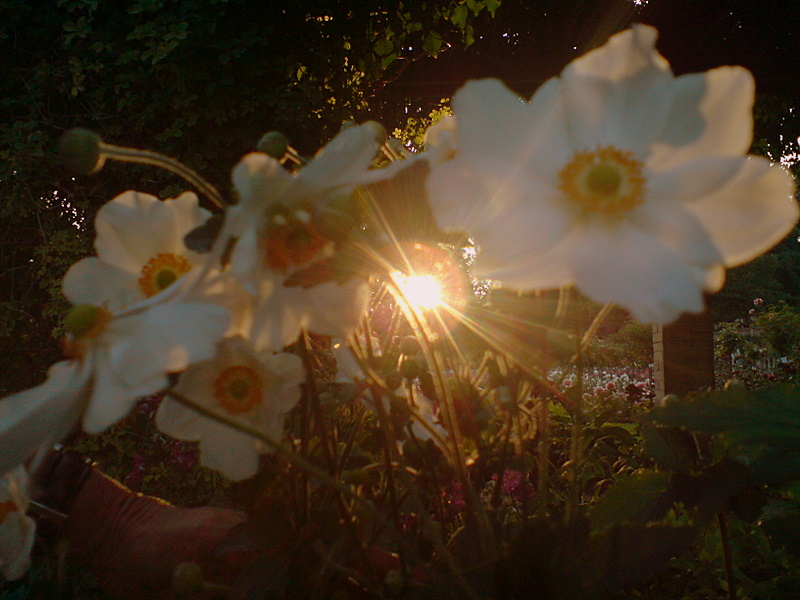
[198, 80]
[761, 349]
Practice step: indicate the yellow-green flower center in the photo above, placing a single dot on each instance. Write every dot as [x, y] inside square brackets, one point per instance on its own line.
[238, 389]
[83, 323]
[606, 181]
[161, 271]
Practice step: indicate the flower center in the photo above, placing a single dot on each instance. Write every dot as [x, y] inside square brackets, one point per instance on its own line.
[238, 389]
[161, 271]
[608, 181]
[292, 240]
[83, 324]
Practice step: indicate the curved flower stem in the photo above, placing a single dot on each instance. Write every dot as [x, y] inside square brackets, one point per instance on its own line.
[148, 157]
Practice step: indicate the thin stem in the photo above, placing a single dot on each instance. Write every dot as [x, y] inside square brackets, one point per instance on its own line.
[728, 553]
[148, 157]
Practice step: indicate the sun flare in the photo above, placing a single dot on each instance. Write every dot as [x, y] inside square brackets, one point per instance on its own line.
[422, 291]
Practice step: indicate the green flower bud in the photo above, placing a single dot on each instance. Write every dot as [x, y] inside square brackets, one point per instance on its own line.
[187, 580]
[80, 150]
[274, 144]
[80, 319]
[394, 583]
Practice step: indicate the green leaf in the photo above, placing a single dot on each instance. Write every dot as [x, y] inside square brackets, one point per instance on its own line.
[670, 447]
[637, 498]
[773, 466]
[769, 416]
[383, 47]
[432, 43]
[459, 16]
[627, 554]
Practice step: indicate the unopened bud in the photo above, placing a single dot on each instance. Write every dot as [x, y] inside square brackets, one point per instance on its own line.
[274, 144]
[80, 151]
[394, 583]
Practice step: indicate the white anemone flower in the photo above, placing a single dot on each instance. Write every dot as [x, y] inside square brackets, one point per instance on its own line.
[282, 225]
[617, 177]
[113, 360]
[17, 530]
[256, 389]
[140, 250]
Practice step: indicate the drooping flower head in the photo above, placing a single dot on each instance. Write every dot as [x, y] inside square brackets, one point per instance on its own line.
[291, 224]
[617, 177]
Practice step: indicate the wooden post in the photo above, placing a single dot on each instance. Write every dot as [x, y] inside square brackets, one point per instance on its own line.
[683, 355]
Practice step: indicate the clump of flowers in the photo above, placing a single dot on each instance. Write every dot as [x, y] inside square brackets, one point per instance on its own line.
[441, 405]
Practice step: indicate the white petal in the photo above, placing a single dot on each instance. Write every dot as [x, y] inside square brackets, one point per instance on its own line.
[342, 162]
[484, 200]
[260, 180]
[134, 227]
[693, 180]
[678, 229]
[335, 309]
[751, 213]
[228, 451]
[624, 55]
[712, 114]
[548, 269]
[628, 114]
[92, 281]
[17, 534]
[112, 399]
[520, 136]
[43, 414]
[165, 338]
[179, 421]
[624, 266]
[280, 315]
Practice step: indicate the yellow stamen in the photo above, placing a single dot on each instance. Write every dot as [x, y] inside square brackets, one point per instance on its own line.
[238, 389]
[608, 181]
[161, 271]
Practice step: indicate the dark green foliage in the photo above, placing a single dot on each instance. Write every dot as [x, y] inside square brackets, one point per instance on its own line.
[200, 81]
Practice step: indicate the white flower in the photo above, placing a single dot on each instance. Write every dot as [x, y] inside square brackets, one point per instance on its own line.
[284, 225]
[256, 389]
[113, 361]
[17, 530]
[140, 250]
[617, 177]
